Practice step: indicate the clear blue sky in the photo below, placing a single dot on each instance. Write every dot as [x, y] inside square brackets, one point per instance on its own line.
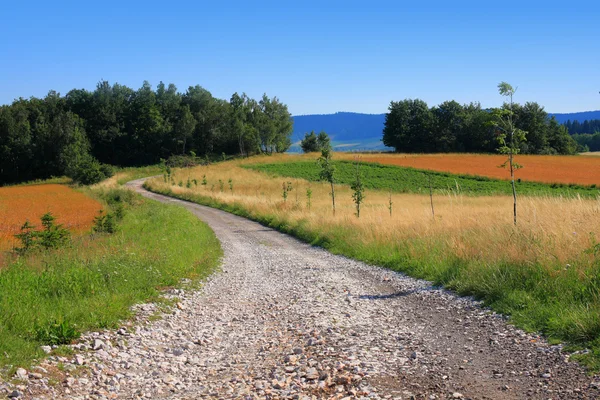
[317, 57]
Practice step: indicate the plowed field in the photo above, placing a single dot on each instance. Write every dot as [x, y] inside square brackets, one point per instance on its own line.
[71, 208]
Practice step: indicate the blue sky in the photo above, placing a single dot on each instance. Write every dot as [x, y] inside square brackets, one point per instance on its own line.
[317, 57]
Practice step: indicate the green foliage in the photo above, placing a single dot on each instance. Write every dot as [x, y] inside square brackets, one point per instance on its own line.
[312, 142]
[327, 172]
[410, 180]
[221, 185]
[286, 188]
[308, 197]
[79, 134]
[188, 183]
[105, 223]
[358, 190]
[52, 236]
[56, 333]
[390, 203]
[309, 143]
[230, 182]
[413, 127]
[204, 181]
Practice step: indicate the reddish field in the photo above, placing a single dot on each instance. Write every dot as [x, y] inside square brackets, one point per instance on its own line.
[549, 169]
[18, 203]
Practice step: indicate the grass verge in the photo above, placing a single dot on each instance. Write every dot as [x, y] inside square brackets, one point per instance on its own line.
[49, 297]
[410, 180]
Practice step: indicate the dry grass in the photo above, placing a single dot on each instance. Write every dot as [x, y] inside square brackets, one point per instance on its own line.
[71, 208]
[548, 169]
[479, 228]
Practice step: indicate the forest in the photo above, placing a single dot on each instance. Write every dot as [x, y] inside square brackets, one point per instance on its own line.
[586, 133]
[411, 126]
[84, 133]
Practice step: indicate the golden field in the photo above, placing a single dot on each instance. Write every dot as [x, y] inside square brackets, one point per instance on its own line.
[479, 228]
[71, 208]
[548, 169]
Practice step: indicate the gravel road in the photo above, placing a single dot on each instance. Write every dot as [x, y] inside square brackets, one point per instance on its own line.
[284, 320]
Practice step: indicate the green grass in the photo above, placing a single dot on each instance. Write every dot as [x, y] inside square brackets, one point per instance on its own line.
[410, 180]
[49, 297]
[562, 303]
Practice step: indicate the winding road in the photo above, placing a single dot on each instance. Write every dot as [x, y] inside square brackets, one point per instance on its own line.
[284, 320]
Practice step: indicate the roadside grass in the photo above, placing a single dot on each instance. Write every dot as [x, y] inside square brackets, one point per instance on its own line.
[544, 273]
[411, 180]
[49, 297]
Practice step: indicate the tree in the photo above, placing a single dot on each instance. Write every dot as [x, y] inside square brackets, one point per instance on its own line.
[184, 126]
[327, 172]
[309, 144]
[323, 141]
[509, 137]
[358, 189]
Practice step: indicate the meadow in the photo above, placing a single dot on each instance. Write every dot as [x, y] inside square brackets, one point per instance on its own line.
[48, 297]
[73, 209]
[543, 272]
[536, 168]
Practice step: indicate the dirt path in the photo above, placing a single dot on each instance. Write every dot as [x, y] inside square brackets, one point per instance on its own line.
[286, 320]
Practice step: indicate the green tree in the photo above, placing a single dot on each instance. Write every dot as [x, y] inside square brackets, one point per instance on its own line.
[327, 172]
[309, 144]
[323, 141]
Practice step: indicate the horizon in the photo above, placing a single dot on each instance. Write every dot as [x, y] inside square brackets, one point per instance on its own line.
[315, 58]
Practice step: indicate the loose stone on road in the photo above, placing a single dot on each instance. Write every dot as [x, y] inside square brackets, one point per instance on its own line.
[284, 320]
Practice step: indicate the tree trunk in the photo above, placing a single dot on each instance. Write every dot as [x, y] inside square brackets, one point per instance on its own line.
[333, 197]
[514, 190]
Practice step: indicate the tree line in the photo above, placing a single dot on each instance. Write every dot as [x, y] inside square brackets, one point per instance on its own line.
[83, 132]
[586, 133]
[412, 126]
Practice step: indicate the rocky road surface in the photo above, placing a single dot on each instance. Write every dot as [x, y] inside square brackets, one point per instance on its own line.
[284, 320]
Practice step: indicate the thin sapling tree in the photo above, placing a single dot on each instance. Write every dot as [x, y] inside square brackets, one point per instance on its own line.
[327, 172]
[358, 189]
[509, 137]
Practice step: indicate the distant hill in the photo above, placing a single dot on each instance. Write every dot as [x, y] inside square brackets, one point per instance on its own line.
[354, 131]
[579, 116]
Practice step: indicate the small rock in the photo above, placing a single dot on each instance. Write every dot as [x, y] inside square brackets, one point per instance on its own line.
[98, 344]
[22, 373]
[312, 374]
[457, 395]
[46, 349]
[298, 350]
[36, 375]
[79, 360]
[15, 394]
[414, 355]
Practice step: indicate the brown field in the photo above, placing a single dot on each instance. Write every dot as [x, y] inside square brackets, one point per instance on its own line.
[548, 169]
[71, 208]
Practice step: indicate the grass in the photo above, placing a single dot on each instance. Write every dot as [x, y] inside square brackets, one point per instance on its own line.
[410, 180]
[50, 297]
[543, 273]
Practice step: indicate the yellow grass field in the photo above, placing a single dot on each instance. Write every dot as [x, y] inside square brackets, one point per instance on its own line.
[548, 169]
[478, 228]
[71, 208]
